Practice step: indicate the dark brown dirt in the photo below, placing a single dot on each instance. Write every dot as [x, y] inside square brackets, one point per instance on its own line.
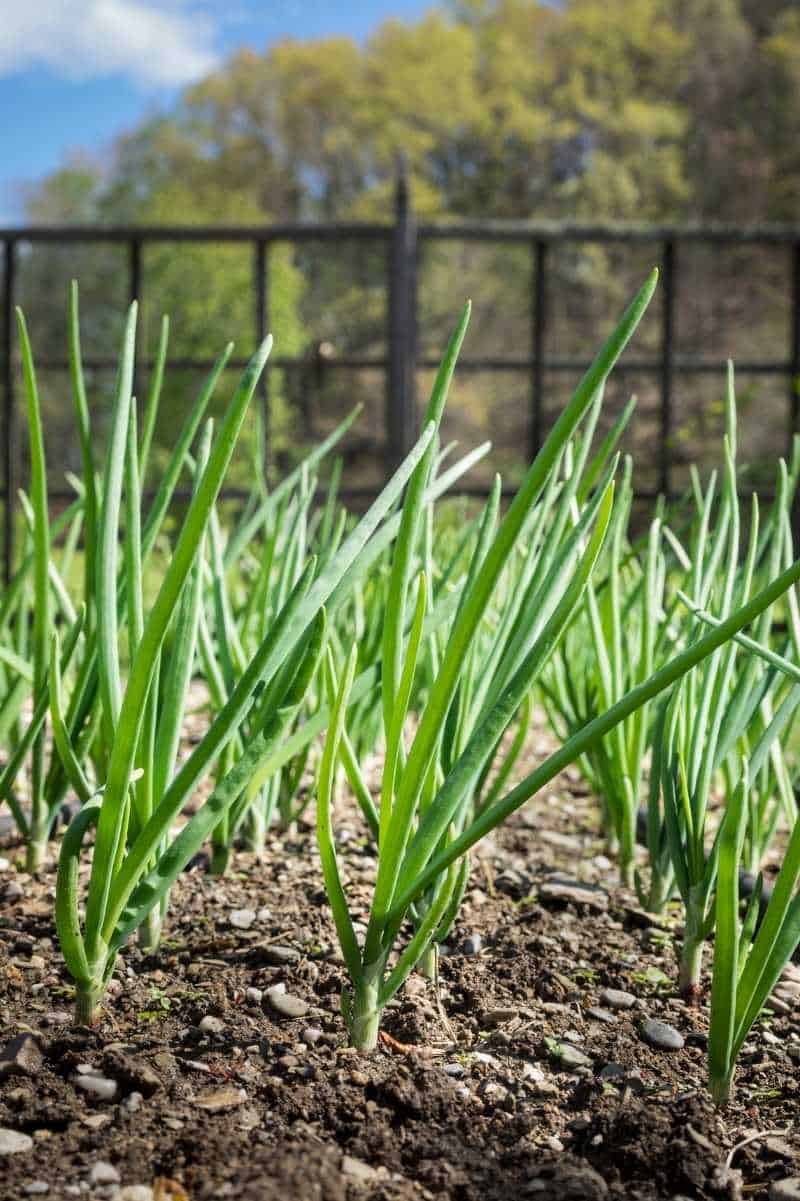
[469, 1099]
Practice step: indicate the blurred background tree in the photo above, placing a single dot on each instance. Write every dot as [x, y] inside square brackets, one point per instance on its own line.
[586, 110]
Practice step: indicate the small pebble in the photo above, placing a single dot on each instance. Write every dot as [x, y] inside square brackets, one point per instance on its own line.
[287, 1005]
[779, 1146]
[96, 1121]
[12, 1142]
[278, 955]
[255, 994]
[21, 1056]
[496, 1017]
[472, 944]
[135, 1192]
[242, 919]
[661, 1035]
[570, 1057]
[311, 1035]
[12, 891]
[133, 1102]
[600, 1015]
[785, 1190]
[211, 1025]
[615, 998]
[612, 1071]
[57, 1017]
[215, 1100]
[37, 1188]
[493, 1091]
[574, 892]
[103, 1173]
[356, 1169]
[97, 1086]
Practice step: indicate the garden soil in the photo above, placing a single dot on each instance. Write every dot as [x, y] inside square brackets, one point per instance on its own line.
[224, 1071]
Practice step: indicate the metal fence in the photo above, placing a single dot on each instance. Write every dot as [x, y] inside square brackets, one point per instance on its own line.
[403, 239]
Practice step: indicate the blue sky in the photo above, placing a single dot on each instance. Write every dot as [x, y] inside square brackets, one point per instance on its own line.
[75, 73]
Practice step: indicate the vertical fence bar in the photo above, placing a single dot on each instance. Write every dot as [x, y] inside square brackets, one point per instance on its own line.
[666, 372]
[401, 416]
[135, 293]
[261, 280]
[10, 439]
[794, 351]
[135, 269]
[539, 302]
[794, 378]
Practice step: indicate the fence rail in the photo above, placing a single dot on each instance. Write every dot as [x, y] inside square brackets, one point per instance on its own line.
[403, 238]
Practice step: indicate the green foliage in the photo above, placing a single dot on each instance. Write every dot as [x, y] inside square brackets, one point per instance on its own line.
[629, 108]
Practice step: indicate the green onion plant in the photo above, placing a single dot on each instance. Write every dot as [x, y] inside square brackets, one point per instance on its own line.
[422, 839]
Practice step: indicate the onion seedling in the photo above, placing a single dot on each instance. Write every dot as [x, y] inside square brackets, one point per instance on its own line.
[46, 785]
[614, 645]
[721, 708]
[136, 859]
[747, 964]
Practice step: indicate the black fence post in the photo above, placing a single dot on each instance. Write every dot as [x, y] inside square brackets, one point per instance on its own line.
[261, 280]
[794, 379]
[539, 302]
[135, 293]
[135, 269]
[667, 364]
[794, 352]
[10, 450]
[401, 414]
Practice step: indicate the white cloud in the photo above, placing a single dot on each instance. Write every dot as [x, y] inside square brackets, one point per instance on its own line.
[156, 43]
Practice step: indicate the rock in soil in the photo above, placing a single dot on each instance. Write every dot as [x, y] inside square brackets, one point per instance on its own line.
[242, 919]
[97, 1086]
[222, 1098]
[287, 1005]
[14, 1143]
[615, 998]
[661, 1035]
[568, 1056]
[785, 1190]
[573, 892]
[20, 1057]
[103, 1173]
[211, 1025]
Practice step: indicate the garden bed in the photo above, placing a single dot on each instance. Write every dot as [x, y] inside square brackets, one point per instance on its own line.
[220, 1067]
